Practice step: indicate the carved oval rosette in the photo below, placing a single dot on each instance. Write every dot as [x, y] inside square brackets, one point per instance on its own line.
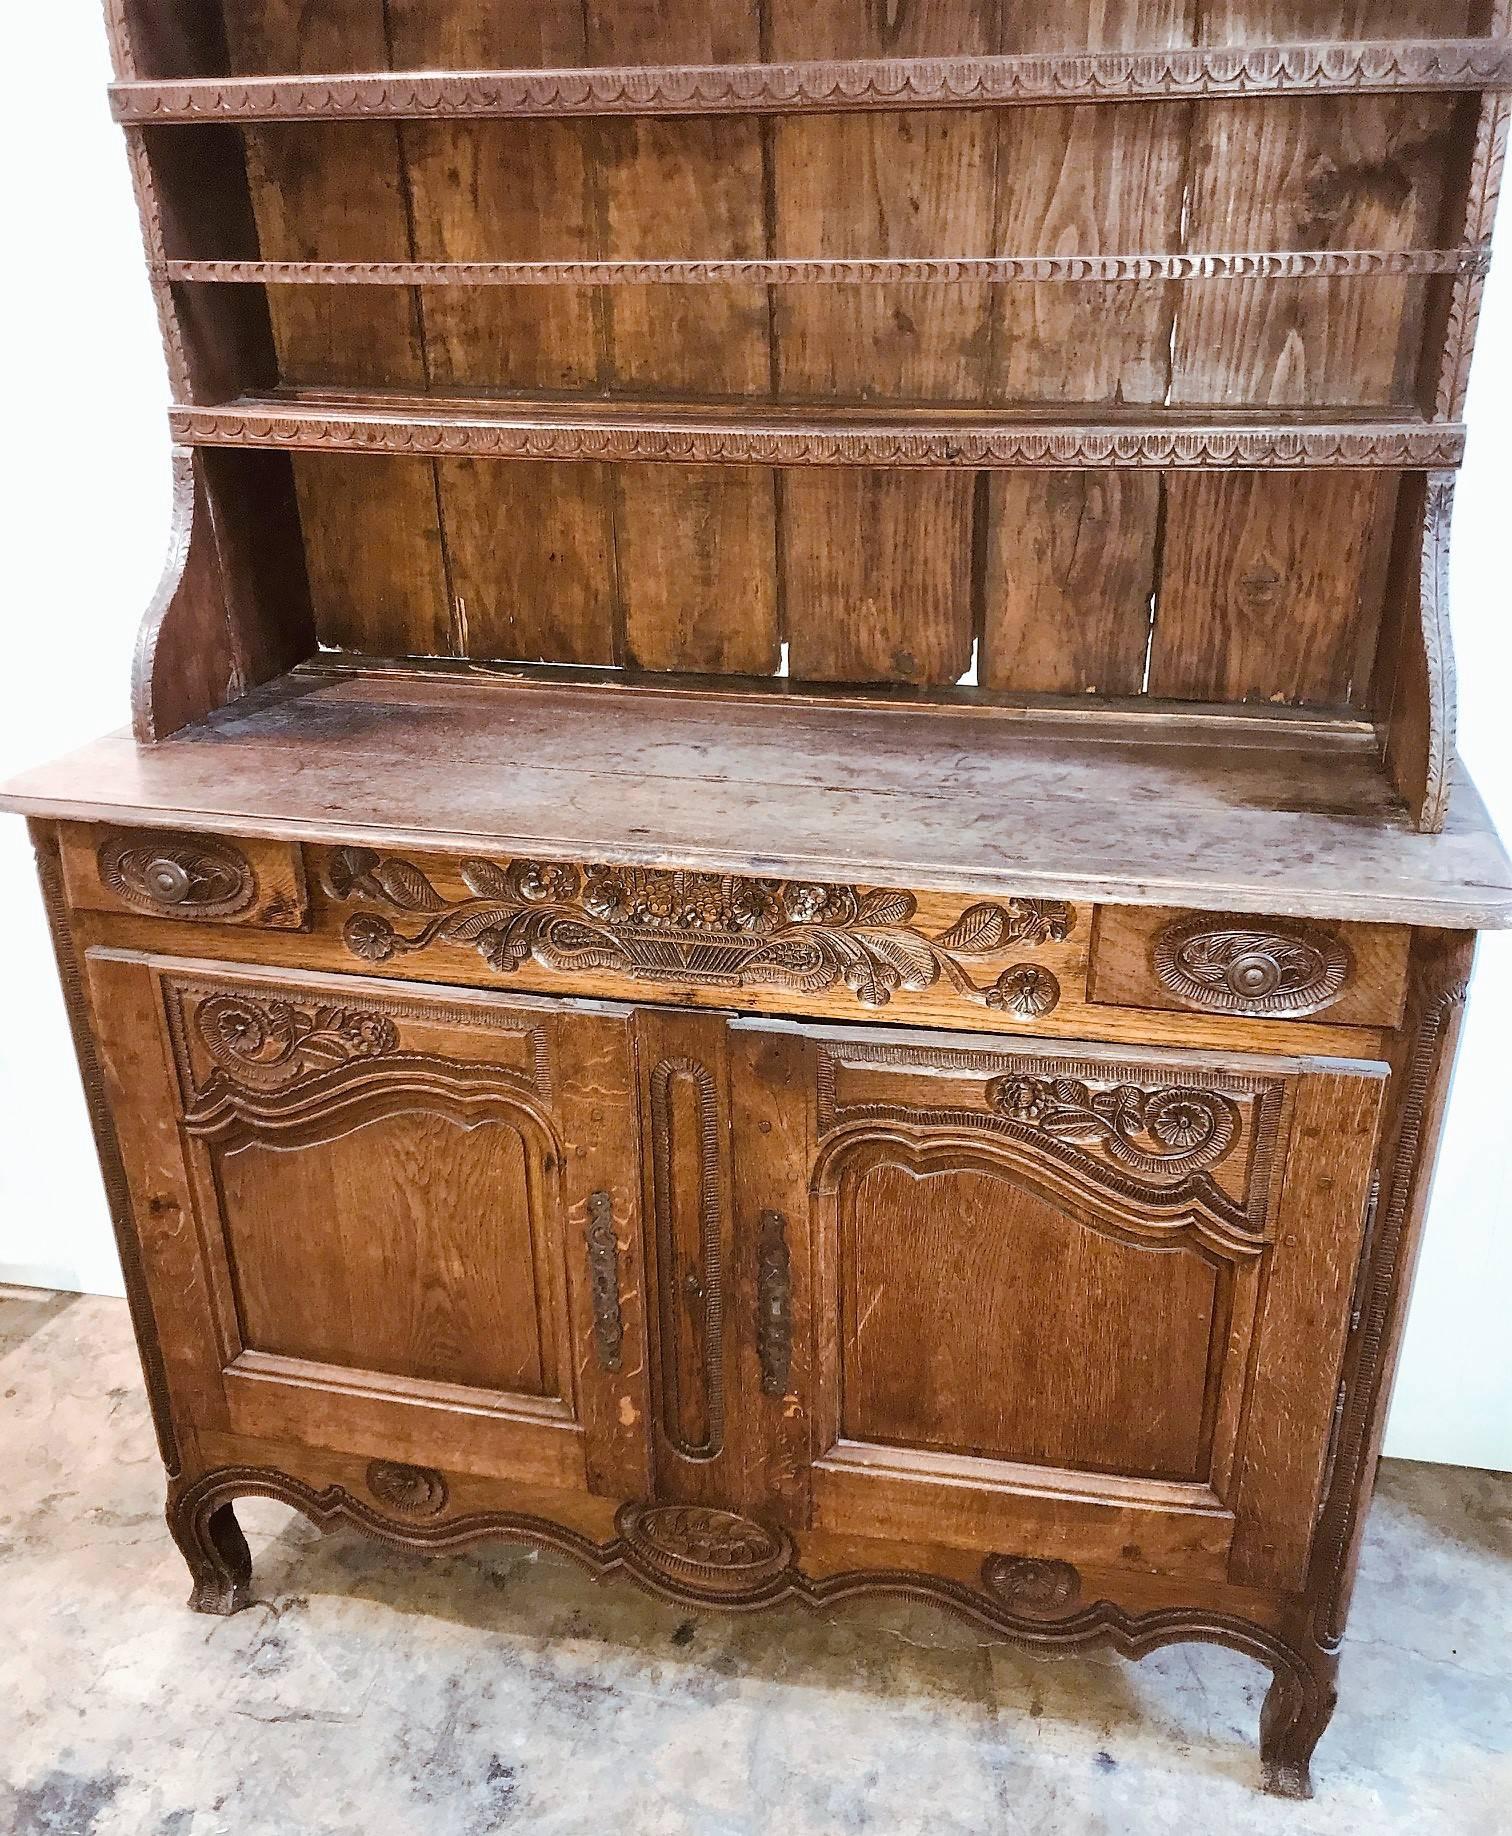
[189, 876]
[1271, 967]
[696, 1546]
[1031, 1584]
[413, 1491]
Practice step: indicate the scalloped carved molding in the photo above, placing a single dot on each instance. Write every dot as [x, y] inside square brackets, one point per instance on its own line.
[834, 86]
[1301, 264]
[739, 1565]
[621, 433]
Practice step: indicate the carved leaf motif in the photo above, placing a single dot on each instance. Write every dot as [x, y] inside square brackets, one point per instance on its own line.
[881, 906]
[1230, 967]
[348, 869]
[406, 886]
[1174, 1130]
[484, 880]
[978, 931]
[910, 955]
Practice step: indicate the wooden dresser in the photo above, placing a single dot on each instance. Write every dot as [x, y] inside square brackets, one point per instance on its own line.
[790, 895]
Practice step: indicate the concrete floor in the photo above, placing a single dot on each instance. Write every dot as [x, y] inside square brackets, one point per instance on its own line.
[385, 1694]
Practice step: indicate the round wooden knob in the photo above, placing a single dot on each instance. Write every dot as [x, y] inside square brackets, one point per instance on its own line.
[167, 880]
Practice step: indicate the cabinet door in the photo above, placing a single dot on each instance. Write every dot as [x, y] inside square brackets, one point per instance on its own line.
[383, 1220]
[1075, 1303]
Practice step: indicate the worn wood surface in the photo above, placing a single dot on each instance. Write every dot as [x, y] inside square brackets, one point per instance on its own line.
[1281, 818]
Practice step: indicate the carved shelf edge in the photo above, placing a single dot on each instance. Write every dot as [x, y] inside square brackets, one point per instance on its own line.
[628, 433]
[1466, 64]
[1259, 264]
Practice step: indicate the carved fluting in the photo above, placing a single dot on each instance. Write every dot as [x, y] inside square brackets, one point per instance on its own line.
[690, 1275]
[616, 434]
[774, 1300]
[705, 1549]
[413, 1491]
[833, 86]
[1031, 1583]
[1268, 968]
[268, 1044]
[187, 875]
[604, 1282]
[1171, 1132]
[1267, 264]
[715, 929]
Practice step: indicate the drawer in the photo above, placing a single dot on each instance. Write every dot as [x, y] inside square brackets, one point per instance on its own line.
[1249, 966]
[169, 874]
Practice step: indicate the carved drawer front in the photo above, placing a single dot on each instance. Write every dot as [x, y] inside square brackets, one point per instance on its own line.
[1253, 967]
[166, 873]
[719, 940]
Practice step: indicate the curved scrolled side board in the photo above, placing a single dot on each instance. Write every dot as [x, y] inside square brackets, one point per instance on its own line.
[1295, 1713]
[1416, 686]
[204, 642]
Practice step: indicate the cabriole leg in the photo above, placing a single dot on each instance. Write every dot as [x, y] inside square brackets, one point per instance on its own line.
[1298, 1707]
[220, 1563]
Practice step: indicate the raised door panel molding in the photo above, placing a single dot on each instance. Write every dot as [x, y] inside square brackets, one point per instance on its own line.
[1250, 967]
[162, 873]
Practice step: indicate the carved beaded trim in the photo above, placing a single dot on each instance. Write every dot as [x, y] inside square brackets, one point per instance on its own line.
[703, 1547]
[619, 434]
[416, 1491]
[1271, 968]
[1028, 1582]
[657, 925]
[829, 85]
[187, 875]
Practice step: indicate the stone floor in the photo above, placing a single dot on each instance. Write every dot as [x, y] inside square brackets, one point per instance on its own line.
[376, 1693]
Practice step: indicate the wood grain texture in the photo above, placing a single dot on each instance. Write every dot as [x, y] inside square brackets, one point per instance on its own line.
[1069, 582]
[877, 576]
[1291, 818]
[1270, 588]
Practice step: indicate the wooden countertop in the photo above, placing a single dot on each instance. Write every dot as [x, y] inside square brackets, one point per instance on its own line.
[1286, 818]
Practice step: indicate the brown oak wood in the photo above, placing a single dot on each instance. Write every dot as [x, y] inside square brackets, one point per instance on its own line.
[849, 989]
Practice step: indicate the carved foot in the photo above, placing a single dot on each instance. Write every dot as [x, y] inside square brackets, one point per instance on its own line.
[1298, 1706]
[220, 1563]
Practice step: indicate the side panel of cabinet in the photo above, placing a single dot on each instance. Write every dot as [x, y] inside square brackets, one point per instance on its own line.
[1072, 1303]
[383, 1221]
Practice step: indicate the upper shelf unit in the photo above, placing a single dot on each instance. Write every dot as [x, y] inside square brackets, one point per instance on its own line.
[829, 86]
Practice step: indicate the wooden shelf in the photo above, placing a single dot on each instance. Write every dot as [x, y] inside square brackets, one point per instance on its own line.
[1357, 67]
[764, 434]
[1274, 264]
[1238, 815]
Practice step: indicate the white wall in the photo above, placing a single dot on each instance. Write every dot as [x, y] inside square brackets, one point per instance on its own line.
[90, 507]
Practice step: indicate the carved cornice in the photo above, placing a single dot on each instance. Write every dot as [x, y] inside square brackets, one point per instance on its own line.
[1267, 966]
[658, 925]
[624, 434]
[1300, 264]
[828, 87]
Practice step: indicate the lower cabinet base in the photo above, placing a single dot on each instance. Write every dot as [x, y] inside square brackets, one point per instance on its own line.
[706, 1558]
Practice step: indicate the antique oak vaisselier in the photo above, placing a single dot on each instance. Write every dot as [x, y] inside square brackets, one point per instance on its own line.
[790, 893]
